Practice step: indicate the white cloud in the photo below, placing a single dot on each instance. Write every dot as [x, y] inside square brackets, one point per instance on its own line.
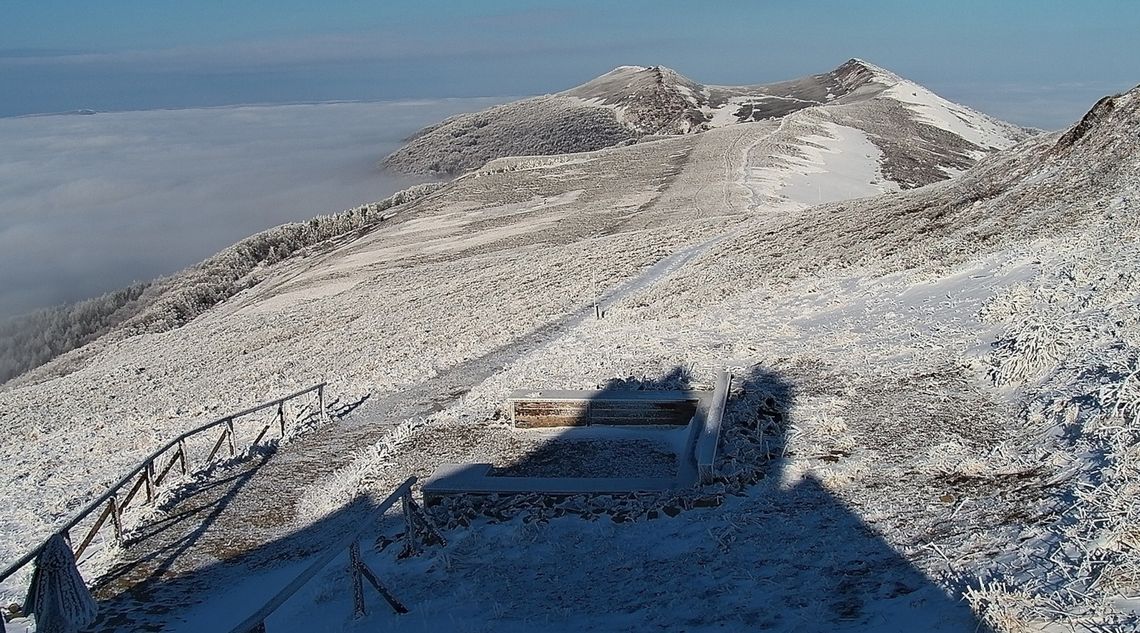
[91, 203]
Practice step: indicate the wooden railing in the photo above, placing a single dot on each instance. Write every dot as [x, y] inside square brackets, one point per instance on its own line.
[416, 524]
[156, 468]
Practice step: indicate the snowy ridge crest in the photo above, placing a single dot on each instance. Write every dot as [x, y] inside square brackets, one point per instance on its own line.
[632, 102]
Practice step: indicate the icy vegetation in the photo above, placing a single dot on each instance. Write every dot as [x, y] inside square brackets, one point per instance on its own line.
[28, 341]
[934, 419]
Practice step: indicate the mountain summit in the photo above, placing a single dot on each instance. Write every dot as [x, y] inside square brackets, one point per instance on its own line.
[631, 103]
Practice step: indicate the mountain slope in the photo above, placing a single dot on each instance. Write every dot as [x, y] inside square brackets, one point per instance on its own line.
[951, 369]
[634, 102]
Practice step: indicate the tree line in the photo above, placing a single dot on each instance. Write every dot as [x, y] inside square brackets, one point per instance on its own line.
[31, 340]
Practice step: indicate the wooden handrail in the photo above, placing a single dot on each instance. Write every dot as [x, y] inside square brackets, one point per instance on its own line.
[146, 463]
[254, 621]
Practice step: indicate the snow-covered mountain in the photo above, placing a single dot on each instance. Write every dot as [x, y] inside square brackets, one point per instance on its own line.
[635, 102]
[937, 383]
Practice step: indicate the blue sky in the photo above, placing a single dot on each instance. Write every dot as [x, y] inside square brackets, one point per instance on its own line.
[1038, 62]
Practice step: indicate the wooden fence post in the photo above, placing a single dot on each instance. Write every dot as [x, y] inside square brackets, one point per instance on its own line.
[182, 456]
[410, 548]
[148, 472]
[321, 404]
[217, 446]
[116, 518]
[264, 430]
[357, 580]
[108, 511]
[230, 433]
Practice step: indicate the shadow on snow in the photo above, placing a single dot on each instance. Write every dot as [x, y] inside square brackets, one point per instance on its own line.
[778, 552]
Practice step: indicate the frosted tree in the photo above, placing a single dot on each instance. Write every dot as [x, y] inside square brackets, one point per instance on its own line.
[58, 597]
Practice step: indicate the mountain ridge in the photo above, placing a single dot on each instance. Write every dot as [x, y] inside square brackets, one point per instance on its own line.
[632, 103]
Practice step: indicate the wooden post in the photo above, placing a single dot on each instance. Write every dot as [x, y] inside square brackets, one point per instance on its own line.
[161, 476]
[260, 435]
[148, 473]
[107, 511]
[281, 420]
[217, 446]
[182, 456]
[426, 523]
[410, 548]
[396, 605]
[357, 582]
[134, 490]
[321, 404]
[116, 518]
[230, 433]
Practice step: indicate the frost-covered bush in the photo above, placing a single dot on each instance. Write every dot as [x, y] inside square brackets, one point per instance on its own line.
[1028, 348]
[1071, 343]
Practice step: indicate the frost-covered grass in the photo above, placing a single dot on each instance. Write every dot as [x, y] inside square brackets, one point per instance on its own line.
[868, 441]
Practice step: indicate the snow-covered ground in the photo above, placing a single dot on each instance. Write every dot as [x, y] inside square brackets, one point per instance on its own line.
[927, 381]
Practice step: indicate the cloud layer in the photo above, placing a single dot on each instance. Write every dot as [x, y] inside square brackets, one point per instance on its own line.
[90, 203]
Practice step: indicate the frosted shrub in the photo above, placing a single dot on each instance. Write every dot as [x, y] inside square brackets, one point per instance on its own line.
[1007, 608]
[1028, 348]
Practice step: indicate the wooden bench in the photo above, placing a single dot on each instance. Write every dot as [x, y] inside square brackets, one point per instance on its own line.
[553, 408]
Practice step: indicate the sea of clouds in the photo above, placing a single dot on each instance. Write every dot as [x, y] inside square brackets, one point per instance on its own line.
[90, 203]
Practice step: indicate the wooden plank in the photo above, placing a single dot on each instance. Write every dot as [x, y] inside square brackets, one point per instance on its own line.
[603, 395]
[148, 474]
[354, 566]
[260, 435]
[538, 414]
[614, 413]
[451, 479]
[611, 412]
[230, 434]
[166, 470]
[396, 605]
[116, 518]
[182, 456]
[427, 523]
[134, 490]
[410, 546]
[217, 445]
[324, 412]
[92, 532]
